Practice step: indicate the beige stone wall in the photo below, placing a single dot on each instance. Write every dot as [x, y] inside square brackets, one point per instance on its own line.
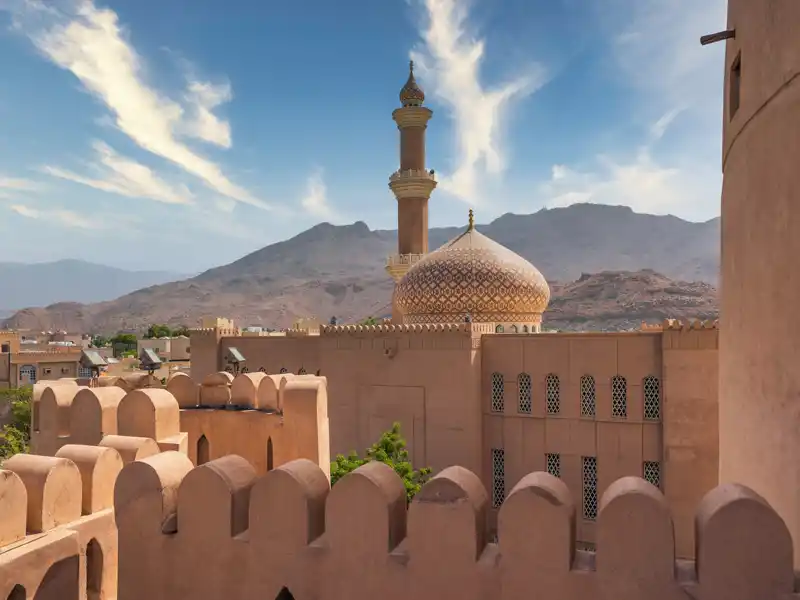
[539, 413]
[243, 537]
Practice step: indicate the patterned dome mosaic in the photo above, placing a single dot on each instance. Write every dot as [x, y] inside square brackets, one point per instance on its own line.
[472, 275]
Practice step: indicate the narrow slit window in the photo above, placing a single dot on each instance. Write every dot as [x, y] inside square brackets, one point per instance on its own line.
[734, 86]
[498, 393]
[498, 476]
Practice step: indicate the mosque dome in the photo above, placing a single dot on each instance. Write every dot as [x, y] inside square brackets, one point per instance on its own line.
[411, 94]
[474, 278]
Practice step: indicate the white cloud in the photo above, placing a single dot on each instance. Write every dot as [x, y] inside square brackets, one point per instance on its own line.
[658, 52]
[58, 216]
[315, 201]
[16, 184]
[89, 42]
[450, 60]
[202, 123]
[120, 175]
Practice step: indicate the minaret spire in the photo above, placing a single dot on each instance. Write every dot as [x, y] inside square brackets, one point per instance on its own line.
[412, 184]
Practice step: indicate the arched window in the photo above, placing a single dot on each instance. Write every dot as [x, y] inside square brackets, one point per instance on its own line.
[552, 387]
[514, 329]
[498, 393]
[588, 396]
[18, 593]
[94, 570]
[203, 450]
[318, 372]
[283, 370]
[524, 329]
[651, 390]
[619, 397]
[499, 329]
[524, 385]
[284, 594]
[262, 370]
[302, 371]
[27, 374]
[270, 458]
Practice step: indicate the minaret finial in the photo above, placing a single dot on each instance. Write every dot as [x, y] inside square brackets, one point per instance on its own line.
[411, 94]
[471, 220]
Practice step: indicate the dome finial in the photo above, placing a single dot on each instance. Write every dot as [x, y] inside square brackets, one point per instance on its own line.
[411, 94]
[471, 220]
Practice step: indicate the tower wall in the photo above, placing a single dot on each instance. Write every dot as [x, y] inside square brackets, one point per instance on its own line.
[759, 412]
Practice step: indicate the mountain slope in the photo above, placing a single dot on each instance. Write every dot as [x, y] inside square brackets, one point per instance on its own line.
[338, 270]
[70, 280]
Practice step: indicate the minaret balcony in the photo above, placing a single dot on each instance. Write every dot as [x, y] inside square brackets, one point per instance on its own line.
[398, 265]
[412, 183]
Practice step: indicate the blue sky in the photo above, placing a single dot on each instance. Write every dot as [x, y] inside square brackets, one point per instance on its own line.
[182, 134]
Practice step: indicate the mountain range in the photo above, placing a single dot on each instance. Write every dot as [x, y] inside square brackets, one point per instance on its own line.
[608, 266]
[71, 280]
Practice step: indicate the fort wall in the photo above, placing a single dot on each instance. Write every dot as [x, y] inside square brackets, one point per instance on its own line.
[269, 419]
[211, 532]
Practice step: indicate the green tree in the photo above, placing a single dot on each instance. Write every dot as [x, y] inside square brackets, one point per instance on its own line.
[390, 449]
[126, 339]
[157, 331]
[99, 341]
[16, 436]
[370, 321]
[182, 330]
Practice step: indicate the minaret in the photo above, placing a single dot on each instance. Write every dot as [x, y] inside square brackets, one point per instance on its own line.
[412, 184]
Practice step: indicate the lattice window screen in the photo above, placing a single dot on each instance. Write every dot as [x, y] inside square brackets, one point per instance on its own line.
[553, 394]
[554, 464]
[498, 392]
[651, 472]
[651, 388]
[498, 476]
[619, 397]
[590, 488]
[588, 396]
[525, 388]
[85, 373]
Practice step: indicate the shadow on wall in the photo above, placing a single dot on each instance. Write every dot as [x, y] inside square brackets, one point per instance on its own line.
[61, 582]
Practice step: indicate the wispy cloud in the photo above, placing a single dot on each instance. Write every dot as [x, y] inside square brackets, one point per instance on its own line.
[656, 47]
[450, 59]
[58, 216]
[90, 43]
[120, 175]
[315, 201]
[13, 186]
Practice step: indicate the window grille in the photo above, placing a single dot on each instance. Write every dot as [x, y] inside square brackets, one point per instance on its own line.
[588, 396]
[651, 388]
[553, 394]
[590, 488]
[85, 373]
[498, 476]
[554, 464]
[651, 472]
[498, 392]
[499, 329]
[524, 384]
[27, 372]
[619, 397]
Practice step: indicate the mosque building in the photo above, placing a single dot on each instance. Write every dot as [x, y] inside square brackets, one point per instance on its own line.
[463, 367]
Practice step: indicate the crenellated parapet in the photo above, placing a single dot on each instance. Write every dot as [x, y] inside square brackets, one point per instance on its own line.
[57, 530]
[333, 330]
[360, 540]
[68, 414]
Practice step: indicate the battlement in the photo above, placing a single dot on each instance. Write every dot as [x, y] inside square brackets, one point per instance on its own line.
[333, 330]
[681, 325]
[359, 540]
[69, 414]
